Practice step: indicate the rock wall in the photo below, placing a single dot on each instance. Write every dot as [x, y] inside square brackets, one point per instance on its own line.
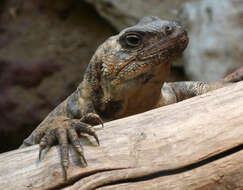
[123, 13]
[44, 48]
[215, 29]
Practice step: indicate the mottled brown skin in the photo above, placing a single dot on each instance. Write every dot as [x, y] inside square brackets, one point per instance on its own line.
[124, 77]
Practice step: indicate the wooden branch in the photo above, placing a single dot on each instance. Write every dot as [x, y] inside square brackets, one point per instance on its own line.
[161, 146]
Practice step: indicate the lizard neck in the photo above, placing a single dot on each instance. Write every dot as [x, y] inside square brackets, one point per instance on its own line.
[141, 94]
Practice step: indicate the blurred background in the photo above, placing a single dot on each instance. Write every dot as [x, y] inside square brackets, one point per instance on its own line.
[45, 46]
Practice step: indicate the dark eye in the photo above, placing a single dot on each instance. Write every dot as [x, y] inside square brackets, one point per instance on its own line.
[133, 40]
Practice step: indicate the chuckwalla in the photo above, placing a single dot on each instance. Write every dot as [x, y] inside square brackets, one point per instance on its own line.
[125, 76]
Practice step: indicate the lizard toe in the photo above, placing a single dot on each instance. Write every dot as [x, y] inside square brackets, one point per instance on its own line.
[74, 139]
[85, 128]
[61, 134]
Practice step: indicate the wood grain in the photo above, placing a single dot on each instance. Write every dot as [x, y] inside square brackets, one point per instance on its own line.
[166, 138]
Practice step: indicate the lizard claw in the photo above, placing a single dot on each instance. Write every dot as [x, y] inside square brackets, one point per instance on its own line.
[92, 118]
[85, 128]
[40, 150]
[47, 140]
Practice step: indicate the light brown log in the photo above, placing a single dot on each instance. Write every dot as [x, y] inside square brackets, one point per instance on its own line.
[223, 174]
[166, 138]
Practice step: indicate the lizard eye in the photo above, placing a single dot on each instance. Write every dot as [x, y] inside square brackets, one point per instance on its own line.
[133, 40]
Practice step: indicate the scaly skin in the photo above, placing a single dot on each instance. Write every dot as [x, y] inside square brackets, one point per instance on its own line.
[124, 77]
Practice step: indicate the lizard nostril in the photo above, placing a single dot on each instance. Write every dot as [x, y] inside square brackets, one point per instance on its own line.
[168, 29]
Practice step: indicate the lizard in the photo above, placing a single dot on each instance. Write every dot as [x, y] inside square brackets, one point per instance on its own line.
[125, 76]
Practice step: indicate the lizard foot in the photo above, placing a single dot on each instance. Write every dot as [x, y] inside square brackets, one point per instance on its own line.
[68, 132]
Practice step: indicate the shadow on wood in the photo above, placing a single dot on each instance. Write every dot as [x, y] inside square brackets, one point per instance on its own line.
[194, 144]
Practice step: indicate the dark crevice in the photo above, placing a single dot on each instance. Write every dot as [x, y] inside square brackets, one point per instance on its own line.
[91, 12]
[177, 74]
[180, 170]
[2, 5]
[73, 180]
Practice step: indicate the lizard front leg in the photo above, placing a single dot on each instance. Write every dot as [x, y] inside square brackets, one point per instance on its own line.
[73, 116]
[64, 125]
[177, 91]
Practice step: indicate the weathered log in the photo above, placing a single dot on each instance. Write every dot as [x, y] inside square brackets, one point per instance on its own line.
[194, 144]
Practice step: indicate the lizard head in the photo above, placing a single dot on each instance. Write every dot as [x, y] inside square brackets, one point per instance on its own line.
[141, 48]
[133, 65]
